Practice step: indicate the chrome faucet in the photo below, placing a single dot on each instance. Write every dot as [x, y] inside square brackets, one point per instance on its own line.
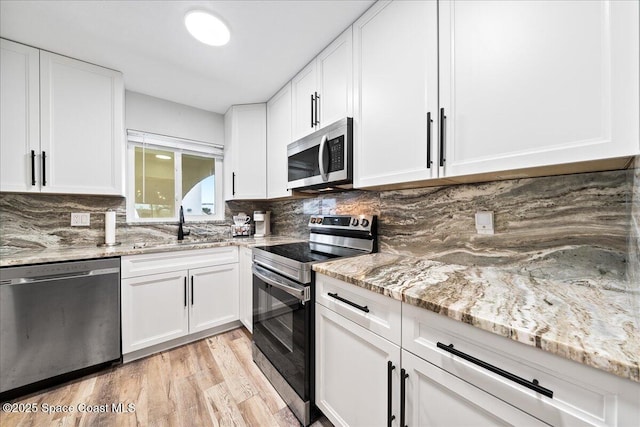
[181, 232]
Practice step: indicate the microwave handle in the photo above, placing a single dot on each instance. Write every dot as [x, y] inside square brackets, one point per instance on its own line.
[323, 144]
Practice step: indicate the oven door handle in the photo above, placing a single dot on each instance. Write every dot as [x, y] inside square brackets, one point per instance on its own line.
[292, 288]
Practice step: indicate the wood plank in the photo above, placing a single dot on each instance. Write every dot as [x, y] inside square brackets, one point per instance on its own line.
[242, 349]
[256, 412]
[241, 387]
[225, 410]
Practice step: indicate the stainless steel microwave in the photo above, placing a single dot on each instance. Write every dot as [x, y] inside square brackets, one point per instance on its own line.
[322, 160]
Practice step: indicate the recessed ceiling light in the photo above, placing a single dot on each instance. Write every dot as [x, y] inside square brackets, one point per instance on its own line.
[207, 28]
[163, 157]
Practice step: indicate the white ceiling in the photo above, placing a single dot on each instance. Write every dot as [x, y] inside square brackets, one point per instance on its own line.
[147, 41]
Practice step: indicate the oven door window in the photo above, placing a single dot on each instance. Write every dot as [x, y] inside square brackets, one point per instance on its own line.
[281, 325]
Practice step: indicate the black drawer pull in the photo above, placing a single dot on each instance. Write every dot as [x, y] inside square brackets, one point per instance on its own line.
[390, 416]
[533, 385]
[185, 291]
[429, 121]
[346, 301]
[33, 167]
[44, 168]
[403, 396]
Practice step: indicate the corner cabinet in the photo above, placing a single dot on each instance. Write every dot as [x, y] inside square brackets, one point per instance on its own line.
[321, 92]
[464, 91]
[172, 298]
[278, 137]
[245, 151]
[63, 124]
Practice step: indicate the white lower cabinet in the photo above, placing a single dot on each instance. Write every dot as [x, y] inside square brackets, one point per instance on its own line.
[246, 288]
[443, 374]
[435, 397]
[171, 296]
[351, 371]
[154, 309]
[213, 296]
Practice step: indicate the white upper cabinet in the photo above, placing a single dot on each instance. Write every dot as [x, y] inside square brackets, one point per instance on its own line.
[82, 132]
[527, 84]
[395, 91]
[62, 124]
[20, 118]
[245, 151]
[278, 136]
[322, 91]
[528, 87]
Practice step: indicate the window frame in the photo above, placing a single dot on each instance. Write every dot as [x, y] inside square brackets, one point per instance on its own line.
[177, 146]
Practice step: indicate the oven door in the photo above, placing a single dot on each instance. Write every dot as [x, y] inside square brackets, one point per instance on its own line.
[282, 327]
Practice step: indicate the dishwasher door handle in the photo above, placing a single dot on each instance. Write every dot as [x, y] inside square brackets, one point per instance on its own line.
[55, 277]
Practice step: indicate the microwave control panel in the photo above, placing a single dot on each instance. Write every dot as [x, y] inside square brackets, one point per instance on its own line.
[336, 154]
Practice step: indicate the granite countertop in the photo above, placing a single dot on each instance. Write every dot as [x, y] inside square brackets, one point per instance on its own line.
[16, 257]
[576, 316]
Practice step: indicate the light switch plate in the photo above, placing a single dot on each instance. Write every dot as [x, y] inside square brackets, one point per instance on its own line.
[80, 219]
[484, 222]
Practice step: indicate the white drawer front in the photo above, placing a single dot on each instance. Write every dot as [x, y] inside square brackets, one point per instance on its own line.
[384, 313]
[162, 262]
[581, 395]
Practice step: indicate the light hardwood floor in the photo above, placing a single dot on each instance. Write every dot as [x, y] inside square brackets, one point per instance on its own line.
[211, 382]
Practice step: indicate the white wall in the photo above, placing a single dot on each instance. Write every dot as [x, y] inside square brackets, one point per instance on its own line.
[155, 115]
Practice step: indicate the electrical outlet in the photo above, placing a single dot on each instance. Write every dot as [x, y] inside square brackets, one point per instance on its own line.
[484, 222]
[80, 219]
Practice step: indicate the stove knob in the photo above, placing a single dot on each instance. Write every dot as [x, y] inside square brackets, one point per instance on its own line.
[314, 220]
[354, 222]
[365, 222]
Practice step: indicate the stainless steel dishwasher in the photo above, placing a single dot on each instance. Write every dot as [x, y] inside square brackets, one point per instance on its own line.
[56, 320]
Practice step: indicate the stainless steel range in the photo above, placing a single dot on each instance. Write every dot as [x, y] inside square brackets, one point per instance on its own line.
[283, 303]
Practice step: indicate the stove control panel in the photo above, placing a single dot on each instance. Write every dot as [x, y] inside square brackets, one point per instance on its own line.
[343, 222]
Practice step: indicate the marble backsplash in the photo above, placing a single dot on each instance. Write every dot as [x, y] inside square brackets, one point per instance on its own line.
[43, 221]
[581, 221]
[586, 222]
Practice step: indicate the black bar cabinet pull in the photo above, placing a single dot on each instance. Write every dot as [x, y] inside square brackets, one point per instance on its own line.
[533, 385]
[44, 168]
[33, 167]
[191, 290]
[429, 121]
[312, 123]
[390, 416]
[346, 301]
[317, 122]
[185, 291]
[403, 395]
[442, 131]
[233, 183]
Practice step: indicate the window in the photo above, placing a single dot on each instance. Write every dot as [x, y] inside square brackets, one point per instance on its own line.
[166, 173]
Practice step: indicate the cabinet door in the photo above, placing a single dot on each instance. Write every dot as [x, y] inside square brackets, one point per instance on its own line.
[526, 84]
[247, 151]
[434, 398]
[352, 386]
[335, 80]
[246, 288]
[213, 296]
[82, 133]
[278, 136]
[20, 118]
[303, 87]
[154, 310]
[395, 87]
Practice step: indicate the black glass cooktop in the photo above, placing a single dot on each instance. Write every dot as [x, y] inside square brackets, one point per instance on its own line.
[299, 251]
